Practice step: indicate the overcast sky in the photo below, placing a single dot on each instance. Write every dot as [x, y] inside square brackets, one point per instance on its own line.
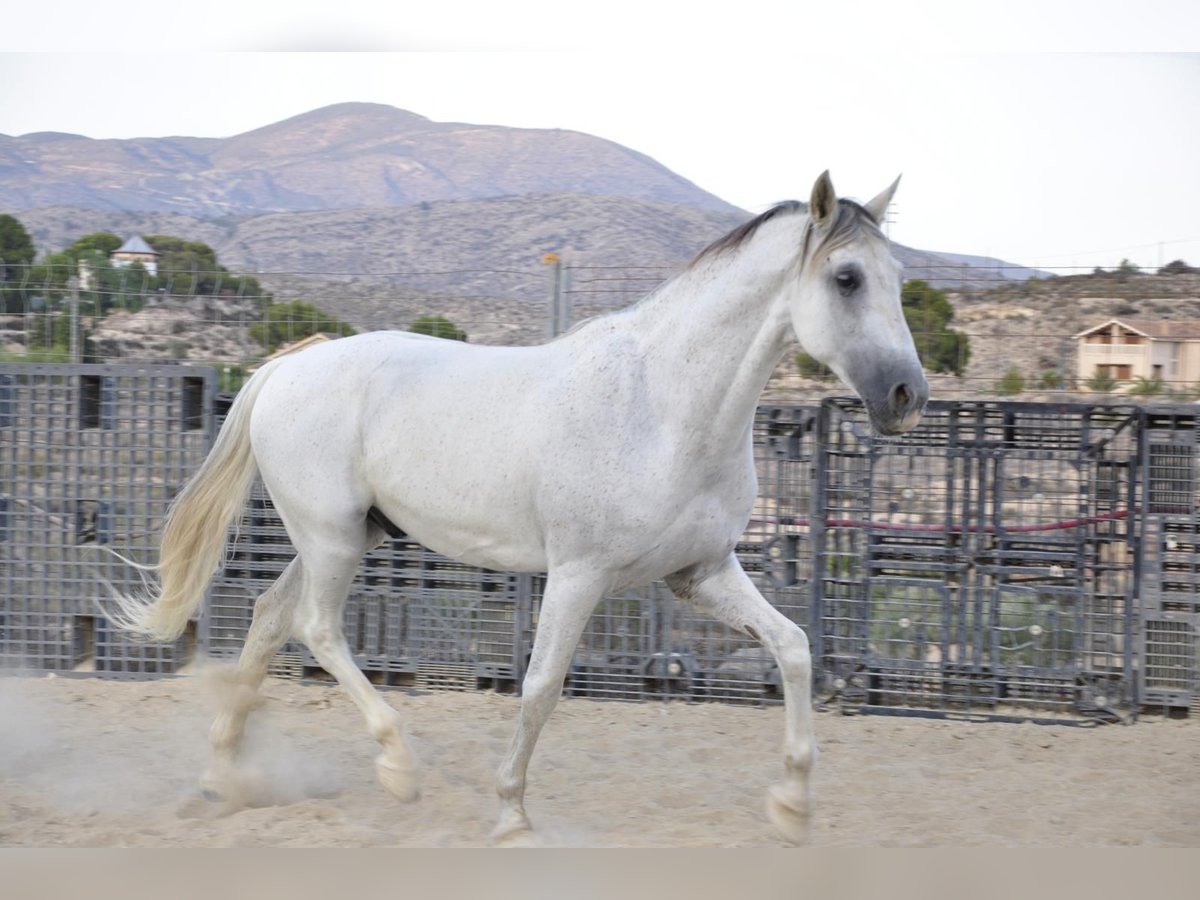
[1043, 158]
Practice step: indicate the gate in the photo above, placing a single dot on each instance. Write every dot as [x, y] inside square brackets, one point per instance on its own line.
[983, 562]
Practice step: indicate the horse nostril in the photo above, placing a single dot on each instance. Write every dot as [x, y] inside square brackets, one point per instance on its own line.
[902, 398]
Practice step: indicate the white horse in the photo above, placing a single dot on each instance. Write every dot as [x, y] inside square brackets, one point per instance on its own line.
[616, 455]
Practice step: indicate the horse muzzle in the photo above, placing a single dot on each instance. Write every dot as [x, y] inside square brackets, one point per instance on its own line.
[896, 406]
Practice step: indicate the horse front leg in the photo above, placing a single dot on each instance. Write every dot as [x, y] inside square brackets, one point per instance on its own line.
[566, 606]
[728, 595]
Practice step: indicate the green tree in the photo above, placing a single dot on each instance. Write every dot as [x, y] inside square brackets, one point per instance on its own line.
[16, 246]
[285, 323]
[16, 254]
[1178, 267]
[1125, 269]
[185, 268]
[438, 326]
[190, 268]
[104, 242]
[929, 312]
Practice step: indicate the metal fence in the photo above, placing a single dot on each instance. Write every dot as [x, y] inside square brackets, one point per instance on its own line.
[1003, 559]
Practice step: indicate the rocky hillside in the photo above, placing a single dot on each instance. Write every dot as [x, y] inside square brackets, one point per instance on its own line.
[1031, 326]
[493, 246]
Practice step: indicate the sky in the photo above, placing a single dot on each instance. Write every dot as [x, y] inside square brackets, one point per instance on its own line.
[1054, 135]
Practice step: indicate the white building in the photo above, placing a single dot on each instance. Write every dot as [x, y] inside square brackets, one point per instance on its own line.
[135, 250]
[1166, 350]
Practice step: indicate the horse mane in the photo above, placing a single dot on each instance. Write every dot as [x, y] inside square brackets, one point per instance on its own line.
[747, 230]
[851, 220]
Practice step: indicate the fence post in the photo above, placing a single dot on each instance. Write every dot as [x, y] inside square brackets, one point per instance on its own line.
[73, 283]
[555, 325]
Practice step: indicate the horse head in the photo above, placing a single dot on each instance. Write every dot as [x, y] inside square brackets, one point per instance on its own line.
[846, 311]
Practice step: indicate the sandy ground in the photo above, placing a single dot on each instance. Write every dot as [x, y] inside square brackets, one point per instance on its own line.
[86, 762]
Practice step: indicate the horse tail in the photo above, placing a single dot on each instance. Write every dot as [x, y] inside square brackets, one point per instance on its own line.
[194, 532]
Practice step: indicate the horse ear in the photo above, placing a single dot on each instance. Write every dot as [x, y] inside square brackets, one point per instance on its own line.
[824, 201]
[878, 207]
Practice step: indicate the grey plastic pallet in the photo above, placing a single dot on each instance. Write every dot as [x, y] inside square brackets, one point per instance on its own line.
[90, 458]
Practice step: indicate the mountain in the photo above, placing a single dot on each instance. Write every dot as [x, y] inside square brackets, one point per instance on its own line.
[347, 156]
[1006, 269]
[362, 187]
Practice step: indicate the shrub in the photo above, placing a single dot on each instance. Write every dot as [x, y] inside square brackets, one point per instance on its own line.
[285, 323]
[809, 367]
[1011, 383]
[1052, 380]
[1148, 387]
[438, 326]
[1101, 382]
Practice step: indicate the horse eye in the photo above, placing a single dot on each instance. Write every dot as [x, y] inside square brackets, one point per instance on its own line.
[846, 282]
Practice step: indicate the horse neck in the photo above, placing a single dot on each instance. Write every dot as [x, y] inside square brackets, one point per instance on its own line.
[718, 331]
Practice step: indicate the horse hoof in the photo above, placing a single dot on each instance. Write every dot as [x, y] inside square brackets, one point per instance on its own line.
[219, 787]
[401, 783]
[205, 804]
[514, 830]
[790, 811]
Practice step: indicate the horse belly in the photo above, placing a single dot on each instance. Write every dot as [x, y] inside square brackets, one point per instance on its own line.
[460, 490]
[473, 542]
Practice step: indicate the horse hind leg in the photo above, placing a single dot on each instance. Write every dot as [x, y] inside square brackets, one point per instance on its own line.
[270, 627]
[327, 576]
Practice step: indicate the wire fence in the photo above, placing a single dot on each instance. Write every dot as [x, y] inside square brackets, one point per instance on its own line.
[1013, 339]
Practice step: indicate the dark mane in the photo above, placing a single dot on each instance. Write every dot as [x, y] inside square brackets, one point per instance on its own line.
[850, 221]
[746, 230]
